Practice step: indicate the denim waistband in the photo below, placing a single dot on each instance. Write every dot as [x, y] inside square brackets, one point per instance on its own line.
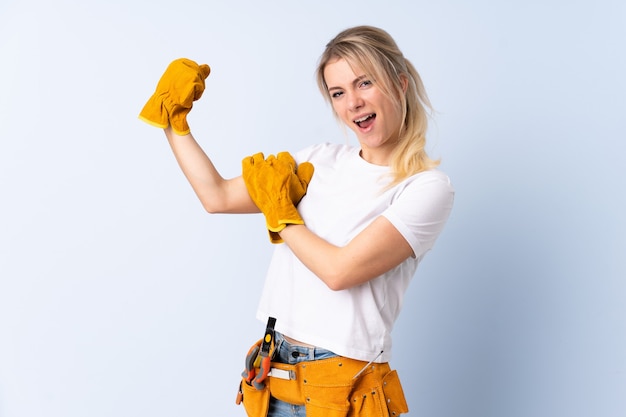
[289, 353]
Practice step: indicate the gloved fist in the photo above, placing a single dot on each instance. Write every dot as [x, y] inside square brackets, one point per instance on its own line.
[180, 85]
[276, 185]
[298, 183]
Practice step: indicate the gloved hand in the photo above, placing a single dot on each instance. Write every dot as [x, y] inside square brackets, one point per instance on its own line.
[180, 85]
[276, 186]
[298, 184]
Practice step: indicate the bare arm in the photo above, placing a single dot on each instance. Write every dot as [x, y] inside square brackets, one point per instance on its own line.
[377, 249]
[217, 195]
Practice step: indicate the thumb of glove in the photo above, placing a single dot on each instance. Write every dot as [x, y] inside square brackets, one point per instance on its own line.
[203, 72]
[300, 182]
[305, 173]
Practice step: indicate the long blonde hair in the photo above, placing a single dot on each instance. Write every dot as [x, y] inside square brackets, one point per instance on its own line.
[375, 52]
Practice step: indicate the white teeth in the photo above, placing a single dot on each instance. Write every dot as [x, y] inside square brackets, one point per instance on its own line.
[362, 119]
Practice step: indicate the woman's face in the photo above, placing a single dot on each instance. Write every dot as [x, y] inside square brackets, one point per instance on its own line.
[362, 106]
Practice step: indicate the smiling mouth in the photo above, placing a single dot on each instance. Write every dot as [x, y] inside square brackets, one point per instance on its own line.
[365, 121]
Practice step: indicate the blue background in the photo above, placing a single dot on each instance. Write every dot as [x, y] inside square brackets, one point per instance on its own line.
[120, 296]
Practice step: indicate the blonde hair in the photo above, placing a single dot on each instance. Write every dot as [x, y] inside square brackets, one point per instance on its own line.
[375, 52]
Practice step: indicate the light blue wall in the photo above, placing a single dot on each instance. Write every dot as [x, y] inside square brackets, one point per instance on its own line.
[120, 297]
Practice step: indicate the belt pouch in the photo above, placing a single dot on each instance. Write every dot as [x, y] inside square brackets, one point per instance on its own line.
[327, 384]
[287, 390]
[378, 394]
[322, 386]
[394, 394]
[256, 402]
[327, 389]
[327, 400]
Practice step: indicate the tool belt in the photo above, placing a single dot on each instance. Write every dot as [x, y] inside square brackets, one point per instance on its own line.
[328, 388]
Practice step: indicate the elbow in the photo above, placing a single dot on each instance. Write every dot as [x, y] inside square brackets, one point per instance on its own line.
[210, 206]
[343, 276]
[209, 209]
[336, 280]
[336, 287]
[339, 273]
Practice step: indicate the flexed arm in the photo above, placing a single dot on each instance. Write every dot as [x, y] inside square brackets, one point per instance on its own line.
[180, 85]
[217, 195]
[377, 249]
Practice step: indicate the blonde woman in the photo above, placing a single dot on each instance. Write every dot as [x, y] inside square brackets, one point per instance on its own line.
[370, 213]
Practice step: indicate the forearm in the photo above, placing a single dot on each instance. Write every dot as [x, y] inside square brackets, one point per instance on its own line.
[374, 251]
[217, 195]
[317, 254]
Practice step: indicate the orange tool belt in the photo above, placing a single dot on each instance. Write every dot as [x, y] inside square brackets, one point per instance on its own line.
[333, 387]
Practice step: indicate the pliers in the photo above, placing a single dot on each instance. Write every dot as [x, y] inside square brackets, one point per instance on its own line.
[259, 357]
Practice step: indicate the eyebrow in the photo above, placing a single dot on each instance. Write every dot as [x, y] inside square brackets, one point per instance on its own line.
[354, 82]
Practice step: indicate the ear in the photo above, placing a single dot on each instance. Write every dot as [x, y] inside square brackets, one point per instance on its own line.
[404, 80]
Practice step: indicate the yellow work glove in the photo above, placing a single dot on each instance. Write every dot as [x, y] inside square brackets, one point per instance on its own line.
[276, 185]
[180, 85]
[300, 182]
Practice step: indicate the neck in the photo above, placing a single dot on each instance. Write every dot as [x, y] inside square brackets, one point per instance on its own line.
[376, 156]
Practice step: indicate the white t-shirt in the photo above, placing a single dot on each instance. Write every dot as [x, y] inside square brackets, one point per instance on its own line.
[345, 195]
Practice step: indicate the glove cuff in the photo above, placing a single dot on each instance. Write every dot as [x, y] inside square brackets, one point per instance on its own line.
[154, 113]
[282, 213]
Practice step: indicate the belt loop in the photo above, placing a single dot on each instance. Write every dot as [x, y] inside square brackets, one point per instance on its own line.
[311, 353]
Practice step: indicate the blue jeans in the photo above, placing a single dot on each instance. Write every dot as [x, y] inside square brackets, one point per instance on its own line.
[292, 354]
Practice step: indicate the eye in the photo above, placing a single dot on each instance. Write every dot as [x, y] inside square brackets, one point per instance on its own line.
[365, 83]
[336, 94]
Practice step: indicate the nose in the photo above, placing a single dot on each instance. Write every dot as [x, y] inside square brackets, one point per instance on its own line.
[355, 102]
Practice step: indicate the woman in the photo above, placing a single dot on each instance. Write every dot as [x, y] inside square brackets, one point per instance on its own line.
[369, 216]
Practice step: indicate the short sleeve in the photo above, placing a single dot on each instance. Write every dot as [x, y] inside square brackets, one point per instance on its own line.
[420, 209]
